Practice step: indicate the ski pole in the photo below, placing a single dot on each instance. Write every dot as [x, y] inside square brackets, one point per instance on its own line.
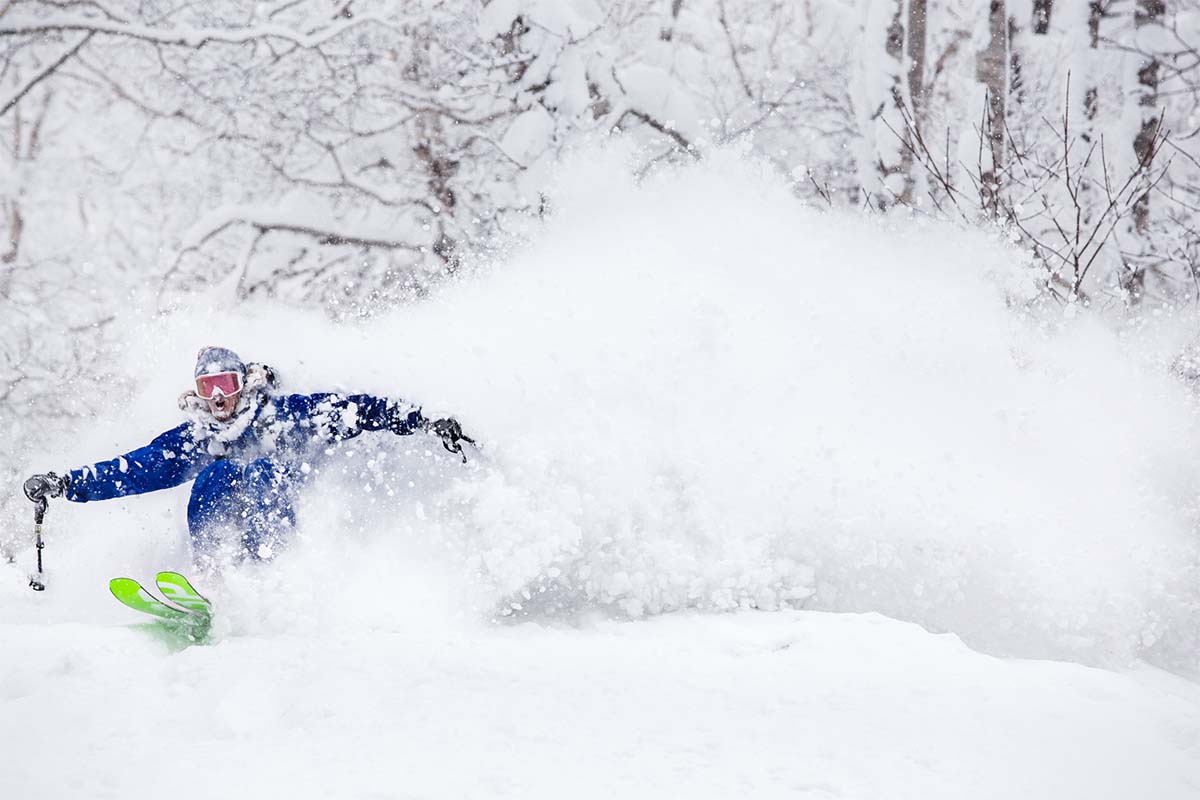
[38, 582]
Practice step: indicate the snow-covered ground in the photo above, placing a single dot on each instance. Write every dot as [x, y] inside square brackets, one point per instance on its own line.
[788, 704]
[771, 503]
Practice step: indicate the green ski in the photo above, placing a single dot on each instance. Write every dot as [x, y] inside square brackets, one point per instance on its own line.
[176, 588]
[175, 627]
[131, 593]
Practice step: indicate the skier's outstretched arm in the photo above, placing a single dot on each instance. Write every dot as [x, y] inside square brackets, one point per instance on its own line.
[346, 416]
[338, 416]
[172, 458]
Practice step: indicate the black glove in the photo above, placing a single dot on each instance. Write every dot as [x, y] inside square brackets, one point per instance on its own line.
[451, 433]
[39, 487]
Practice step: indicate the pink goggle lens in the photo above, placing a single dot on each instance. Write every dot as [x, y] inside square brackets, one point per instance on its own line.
[229, 383]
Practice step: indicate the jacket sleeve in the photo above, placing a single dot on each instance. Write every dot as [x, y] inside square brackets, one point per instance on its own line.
[172, 458]
[344, 416]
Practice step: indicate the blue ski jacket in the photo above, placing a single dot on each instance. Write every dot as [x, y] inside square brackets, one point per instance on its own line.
[289, 430]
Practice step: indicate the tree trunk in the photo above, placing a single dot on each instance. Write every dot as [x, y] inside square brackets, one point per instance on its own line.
[880, 97]
[1147, 17]
[15, 226]
[992, 70]
[916, 58]
[12, 224]
[668, 33]
[1016, 81]
[896, 171]
[1091, 96]
[1042, 10]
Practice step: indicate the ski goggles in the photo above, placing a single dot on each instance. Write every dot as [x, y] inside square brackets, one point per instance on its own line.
[227, 383]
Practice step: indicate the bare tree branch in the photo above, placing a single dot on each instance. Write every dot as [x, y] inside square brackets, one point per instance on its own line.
[193, 38]
[49, 70]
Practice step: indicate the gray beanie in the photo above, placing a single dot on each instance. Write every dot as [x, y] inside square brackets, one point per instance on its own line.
[214, 360]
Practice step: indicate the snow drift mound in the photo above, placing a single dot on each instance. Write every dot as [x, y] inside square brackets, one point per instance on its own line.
[698, 393]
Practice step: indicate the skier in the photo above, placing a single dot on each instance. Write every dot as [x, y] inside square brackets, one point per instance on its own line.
[249, 450]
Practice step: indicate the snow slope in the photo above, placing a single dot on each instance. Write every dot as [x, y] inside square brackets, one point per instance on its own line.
[791, 704]
[696, 396]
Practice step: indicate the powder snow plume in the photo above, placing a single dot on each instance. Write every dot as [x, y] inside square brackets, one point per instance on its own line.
[697, 393]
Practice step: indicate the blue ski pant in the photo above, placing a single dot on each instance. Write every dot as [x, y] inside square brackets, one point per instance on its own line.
[255, 500]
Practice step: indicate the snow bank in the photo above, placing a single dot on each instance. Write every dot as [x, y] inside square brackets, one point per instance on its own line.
[698, 393]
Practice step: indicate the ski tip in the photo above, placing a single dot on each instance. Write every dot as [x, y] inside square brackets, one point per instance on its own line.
[179, 591]
[175, 579]
[119, 586]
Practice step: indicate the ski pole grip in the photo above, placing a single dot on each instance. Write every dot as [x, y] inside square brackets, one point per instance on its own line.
[39, 510]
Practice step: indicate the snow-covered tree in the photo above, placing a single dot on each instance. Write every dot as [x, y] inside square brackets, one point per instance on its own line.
[345, 155]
